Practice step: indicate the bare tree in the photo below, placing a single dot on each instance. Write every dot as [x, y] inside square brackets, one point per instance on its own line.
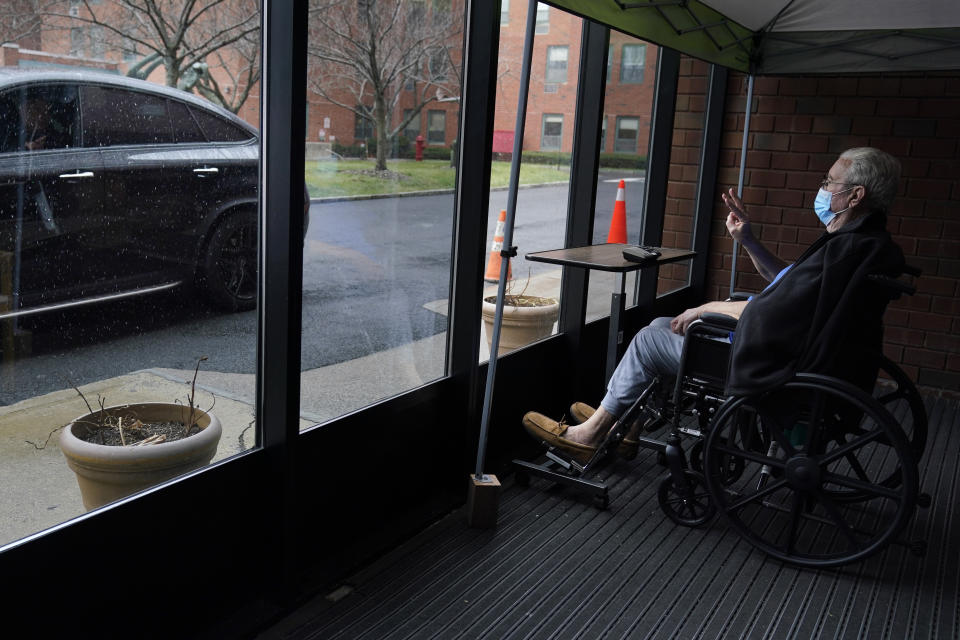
[190, 38]
[365, 53]
[20, 19]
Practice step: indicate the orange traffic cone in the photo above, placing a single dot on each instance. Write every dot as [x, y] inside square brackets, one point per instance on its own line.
[493, 263]
[618, 225]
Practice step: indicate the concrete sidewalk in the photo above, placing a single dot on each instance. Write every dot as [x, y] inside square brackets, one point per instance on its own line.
[38, 490]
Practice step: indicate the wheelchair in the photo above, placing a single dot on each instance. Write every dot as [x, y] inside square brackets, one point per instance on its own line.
[815, 472]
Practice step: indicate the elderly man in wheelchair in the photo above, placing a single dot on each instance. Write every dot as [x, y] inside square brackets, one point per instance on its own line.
[775, 391]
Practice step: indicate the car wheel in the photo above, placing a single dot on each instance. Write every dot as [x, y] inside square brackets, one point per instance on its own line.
[229, 265]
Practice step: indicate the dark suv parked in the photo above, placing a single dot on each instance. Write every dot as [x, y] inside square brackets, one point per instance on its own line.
[112, 187]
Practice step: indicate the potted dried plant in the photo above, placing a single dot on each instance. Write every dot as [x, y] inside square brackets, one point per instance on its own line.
[526, 318]
[119, 450]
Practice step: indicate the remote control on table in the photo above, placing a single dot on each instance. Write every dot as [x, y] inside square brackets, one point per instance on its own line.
[641, 254]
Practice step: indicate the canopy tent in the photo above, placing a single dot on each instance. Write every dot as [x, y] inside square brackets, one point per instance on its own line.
[765, 37]
[757, 37]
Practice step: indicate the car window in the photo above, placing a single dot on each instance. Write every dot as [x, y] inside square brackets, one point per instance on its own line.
[219, 129]
[120, 117]
[34, 118]
[185, 128]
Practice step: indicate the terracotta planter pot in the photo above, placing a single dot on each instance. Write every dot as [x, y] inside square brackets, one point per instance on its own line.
[520, 325]
[107, 473]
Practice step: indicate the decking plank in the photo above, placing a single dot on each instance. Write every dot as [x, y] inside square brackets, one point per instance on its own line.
[556, 567]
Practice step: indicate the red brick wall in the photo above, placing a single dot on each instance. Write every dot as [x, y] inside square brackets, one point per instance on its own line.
[799, 126]
[684, 168]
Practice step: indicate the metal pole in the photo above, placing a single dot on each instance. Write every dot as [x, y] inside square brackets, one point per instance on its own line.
[743, 167]
[507, 234]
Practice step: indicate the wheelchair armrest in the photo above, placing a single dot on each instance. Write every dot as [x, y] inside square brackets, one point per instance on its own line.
[894, 286]
[909, 269]
[720, 320]
[739, 296]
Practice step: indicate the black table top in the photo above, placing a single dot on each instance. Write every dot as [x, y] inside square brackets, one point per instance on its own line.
[606, 257]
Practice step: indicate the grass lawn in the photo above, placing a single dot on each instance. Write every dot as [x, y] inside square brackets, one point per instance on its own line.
[326, 178]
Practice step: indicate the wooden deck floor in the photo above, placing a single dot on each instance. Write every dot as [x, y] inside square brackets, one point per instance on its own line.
[556, 567]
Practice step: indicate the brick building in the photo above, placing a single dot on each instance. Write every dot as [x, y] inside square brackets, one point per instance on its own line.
[552, 97]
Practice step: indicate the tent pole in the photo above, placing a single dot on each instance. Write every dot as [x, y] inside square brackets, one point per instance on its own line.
[508, 248]
[743, 167]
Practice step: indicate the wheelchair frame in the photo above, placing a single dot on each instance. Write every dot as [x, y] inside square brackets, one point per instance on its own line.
[817, 484]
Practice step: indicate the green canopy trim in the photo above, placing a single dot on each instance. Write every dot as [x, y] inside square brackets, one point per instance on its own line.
[687, 26]
[700, 31]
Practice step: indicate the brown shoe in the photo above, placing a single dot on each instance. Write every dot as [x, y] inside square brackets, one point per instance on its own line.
[580, 412]
[551, 432]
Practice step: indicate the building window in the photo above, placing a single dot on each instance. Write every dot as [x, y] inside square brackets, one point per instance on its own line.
[552, 133]
[362, 127]
[412, 130]
[632, 63]
[77, 41]
[626, 140]
[440, 13]
[418, 11]
[504, 11]
[437, 127]
[603, 134]
[609, 62]
[543, 18]
[438, 65]
[129, 50]
[97, 44]
[557, 64]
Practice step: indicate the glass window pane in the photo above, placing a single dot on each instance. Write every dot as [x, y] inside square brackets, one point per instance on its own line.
[35, 118]
[609, 63]
[632, 63]
[126, 262]
[627, 113]
[541, 213]
[185, 129]
[557, 63]
[437, 127]
[376, 270]
[552, 132]
[543, 19]
[219, 129]
[412, 129]
[120, 117]
[626, 141]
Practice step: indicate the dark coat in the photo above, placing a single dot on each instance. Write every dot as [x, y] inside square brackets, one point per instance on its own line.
[823, 316]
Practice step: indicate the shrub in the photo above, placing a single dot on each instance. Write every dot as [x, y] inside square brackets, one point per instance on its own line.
[622, 161]
[436, 153]
[607, 160]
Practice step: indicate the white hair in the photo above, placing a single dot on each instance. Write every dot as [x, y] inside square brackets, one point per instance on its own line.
[877, 171]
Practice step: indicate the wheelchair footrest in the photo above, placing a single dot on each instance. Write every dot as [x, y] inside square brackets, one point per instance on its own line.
[551, 471]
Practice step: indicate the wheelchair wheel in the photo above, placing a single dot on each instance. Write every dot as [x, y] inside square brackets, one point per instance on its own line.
[901, 399]
[732, 470]
[786, 501]
[904, 403]
[687, 501]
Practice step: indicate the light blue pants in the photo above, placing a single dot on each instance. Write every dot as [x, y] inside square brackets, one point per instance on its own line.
[655, 350]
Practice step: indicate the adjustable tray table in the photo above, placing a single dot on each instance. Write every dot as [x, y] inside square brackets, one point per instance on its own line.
[609, 257]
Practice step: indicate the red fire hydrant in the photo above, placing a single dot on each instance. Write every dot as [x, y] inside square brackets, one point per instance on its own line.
[418, 146]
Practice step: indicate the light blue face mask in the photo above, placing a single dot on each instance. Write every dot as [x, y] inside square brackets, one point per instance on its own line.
[822, 205]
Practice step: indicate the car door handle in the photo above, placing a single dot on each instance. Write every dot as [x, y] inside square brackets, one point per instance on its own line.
[78, 174]
[206, 170]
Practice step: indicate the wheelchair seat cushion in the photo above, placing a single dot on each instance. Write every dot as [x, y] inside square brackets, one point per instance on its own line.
[822, 316]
